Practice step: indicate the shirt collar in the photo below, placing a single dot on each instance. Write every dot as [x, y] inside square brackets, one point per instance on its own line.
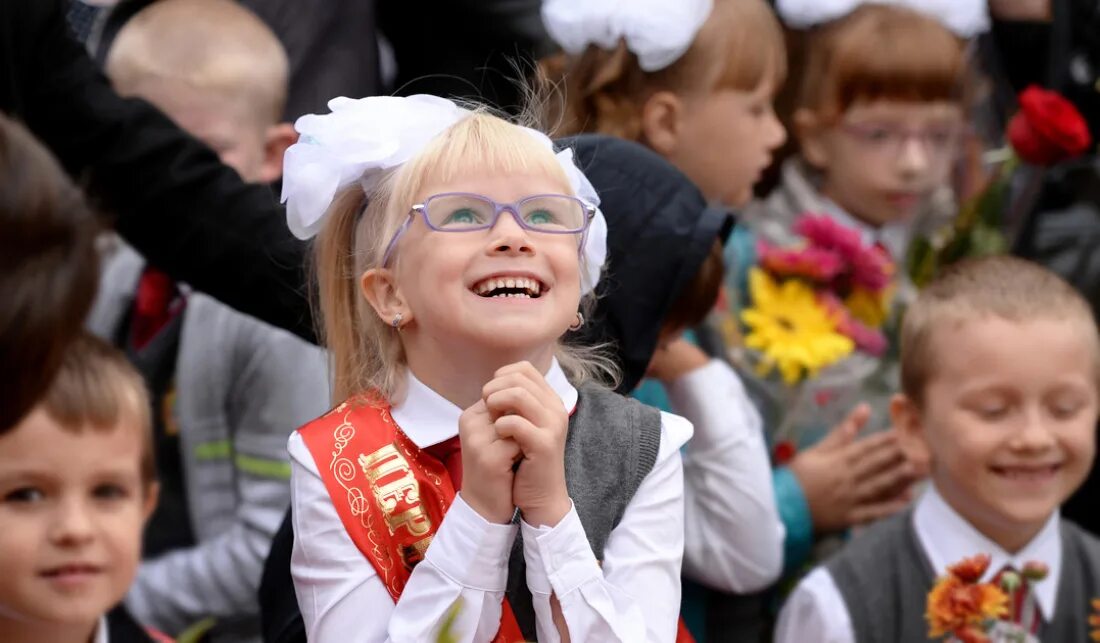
[427, 418]
[947, 538]
[101, 631]
[893, 236]
[802, 192]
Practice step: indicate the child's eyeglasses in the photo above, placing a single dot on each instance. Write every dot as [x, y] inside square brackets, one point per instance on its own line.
[940, 141]
[462, 212]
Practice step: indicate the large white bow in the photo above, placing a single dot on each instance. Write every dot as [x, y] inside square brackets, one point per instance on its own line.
[362, 138]
[658, 32]
[967, 18]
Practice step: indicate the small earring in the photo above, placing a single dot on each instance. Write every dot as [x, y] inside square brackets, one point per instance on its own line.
[396, 323]
[578, 323]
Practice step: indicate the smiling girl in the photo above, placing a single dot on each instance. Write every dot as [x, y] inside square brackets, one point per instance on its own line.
[474, 470]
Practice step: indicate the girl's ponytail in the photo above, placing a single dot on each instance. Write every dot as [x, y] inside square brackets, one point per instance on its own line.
[337, 292]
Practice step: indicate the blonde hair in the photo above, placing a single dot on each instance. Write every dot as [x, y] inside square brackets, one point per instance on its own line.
[214, 46]
[880, 52]
[367, 352]
[1003, 287]
[739, 47]
[96, 386]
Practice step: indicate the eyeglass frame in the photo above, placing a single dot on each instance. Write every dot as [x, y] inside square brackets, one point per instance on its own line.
[858, 130]
[498, 209]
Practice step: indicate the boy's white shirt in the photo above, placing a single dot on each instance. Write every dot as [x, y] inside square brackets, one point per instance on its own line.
[733, 536]
[816, 611]
[632, 595]
[101, 631]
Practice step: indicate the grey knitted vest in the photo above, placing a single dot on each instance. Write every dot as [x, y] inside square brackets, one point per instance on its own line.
[611, 447]
[884, 577]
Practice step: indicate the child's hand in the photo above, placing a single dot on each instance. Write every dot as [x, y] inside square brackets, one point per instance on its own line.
[487, 462]
[525, 408]
[849, 480]
[676, 359]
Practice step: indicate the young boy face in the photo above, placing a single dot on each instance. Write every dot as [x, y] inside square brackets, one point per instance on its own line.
[884, 159]
[72, 508]
[1009, 417]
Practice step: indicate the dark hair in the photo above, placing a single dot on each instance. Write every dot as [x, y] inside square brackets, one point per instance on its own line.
[48, 268]
[697, 298]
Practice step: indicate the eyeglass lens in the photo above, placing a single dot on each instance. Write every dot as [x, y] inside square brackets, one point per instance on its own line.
[550, 213]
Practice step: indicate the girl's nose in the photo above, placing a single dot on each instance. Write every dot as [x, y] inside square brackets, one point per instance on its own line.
[913, 157]
[508, 237]
[777, 134]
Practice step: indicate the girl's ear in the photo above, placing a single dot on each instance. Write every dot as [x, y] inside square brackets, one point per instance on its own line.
[907, 421]
[381, 292]
[661, 116]
[810, 131]
[152, 497]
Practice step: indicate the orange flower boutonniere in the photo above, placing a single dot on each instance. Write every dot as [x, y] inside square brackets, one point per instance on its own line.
[960, 606]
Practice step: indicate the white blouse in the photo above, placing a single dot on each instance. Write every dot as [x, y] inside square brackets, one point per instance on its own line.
[633, 594]
[734, 536]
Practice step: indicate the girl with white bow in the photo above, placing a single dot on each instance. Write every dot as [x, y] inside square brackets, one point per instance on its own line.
[692, 79]
[474, 478]
[878, 119]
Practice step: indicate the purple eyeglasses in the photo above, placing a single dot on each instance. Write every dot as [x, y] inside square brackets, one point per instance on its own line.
[464, 212]
[889, 139]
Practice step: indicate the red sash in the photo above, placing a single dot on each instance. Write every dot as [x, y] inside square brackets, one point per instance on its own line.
[390, 495]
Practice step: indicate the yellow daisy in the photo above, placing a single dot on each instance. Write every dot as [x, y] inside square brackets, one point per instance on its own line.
[790, 329]
[870, 308]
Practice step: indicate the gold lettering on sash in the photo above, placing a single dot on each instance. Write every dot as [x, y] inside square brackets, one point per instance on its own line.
[400, 484]
[396, 490]
[414, 519]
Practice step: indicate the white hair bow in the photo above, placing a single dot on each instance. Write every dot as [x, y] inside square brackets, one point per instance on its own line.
[966, 18]
[658, 32]
[362, 138]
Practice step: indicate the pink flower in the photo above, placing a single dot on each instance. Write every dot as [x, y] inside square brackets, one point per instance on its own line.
[815, 264]
[867, 266]
[867, 339]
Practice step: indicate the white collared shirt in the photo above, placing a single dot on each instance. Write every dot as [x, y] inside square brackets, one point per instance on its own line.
[101, 631]
[733, 536]
[816, 611]
[633, 596]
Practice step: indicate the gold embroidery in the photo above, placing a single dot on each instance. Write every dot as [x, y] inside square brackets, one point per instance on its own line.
[413, 519]
[394, 484]
[388, 463]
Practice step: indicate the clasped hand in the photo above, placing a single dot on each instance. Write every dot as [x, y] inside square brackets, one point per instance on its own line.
[519, 419]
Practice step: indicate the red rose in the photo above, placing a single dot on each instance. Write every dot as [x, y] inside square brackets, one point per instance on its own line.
[1048, 128]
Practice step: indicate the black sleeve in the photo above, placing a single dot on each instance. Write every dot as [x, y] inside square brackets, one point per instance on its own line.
[174, 201]
[280, 617]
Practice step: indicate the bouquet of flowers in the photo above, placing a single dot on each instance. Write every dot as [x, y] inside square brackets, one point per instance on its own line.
[963, 609]
[1046, 131]
[811, 321]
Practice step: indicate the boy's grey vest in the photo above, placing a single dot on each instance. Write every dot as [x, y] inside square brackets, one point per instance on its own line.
[611, 447]
[884, 577]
